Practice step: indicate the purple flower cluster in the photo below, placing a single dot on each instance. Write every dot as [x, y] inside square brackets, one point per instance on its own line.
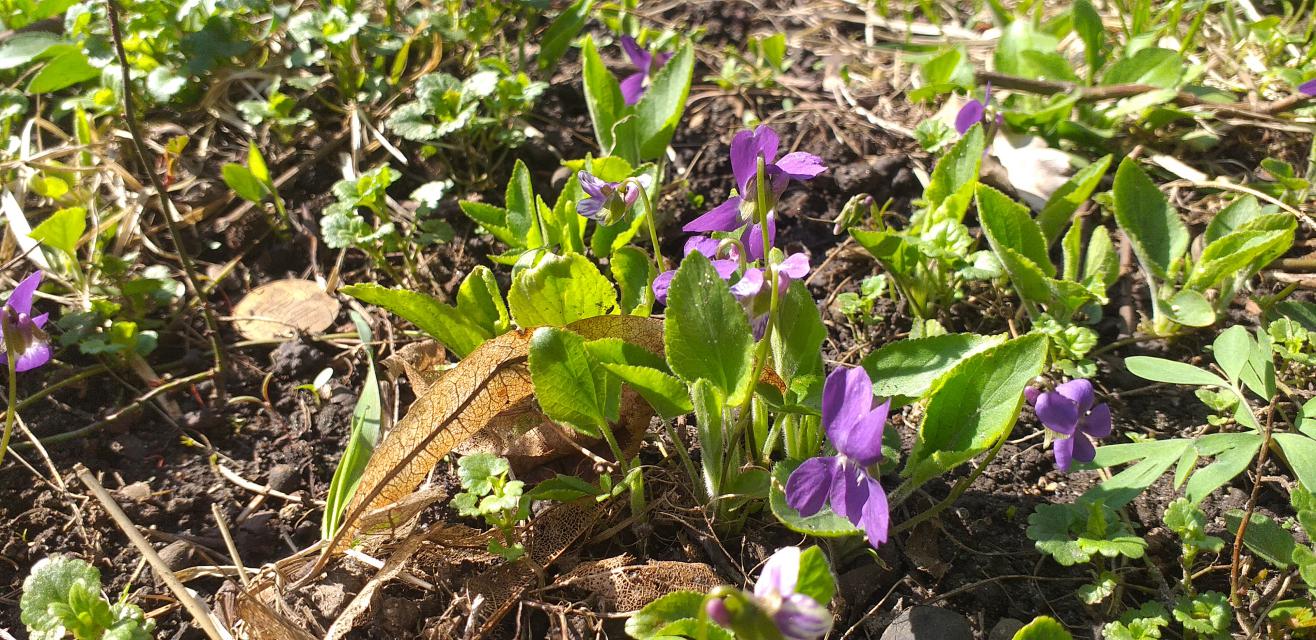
[1071, 411]
[855, 428]
[19, 327]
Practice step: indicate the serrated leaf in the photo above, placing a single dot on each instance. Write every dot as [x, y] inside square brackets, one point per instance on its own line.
[560, 290]
[906, 369]
[1159, 237]
[973, 405]
[1008, 224]
[1060, 207]
[660, 108]
[706, 331]
[571, 387]
[602, 94]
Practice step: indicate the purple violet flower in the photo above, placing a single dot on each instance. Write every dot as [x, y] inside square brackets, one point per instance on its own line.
[746, 148]
[633, 86]
[1070, 411]
[608, 201]
[725, 267]
[1308, 87]
[795, 615]
[24, 330]
[854, 427]
[973, 112]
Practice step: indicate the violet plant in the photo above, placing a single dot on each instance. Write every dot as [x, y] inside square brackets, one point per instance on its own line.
[25, 345]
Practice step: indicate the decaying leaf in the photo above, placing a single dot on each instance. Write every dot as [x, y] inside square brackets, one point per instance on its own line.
[624, 587]
[423, 363]
[281, 309]
[490, 381]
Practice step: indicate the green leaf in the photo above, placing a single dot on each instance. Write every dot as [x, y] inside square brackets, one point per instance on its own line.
[706, 332]
[243, 182]
[824, 524]
[660, 108]
[1158, 236]
[602, 94]
[1230, 218]
[571, 387]
[796, 346]
[1229, 462]
[50, 583]
[64, 70]
[633, 271]
[62, 230]
[1300, 452]
[815, 578]
[477, 472]
[478, 316]
[1264, 537]
[1162, 370]
[560, 290]
[494, 220]
[1240, 252]
[24, 47]
[1191, 309]
[679, 605]
[1305, 558]
[522, 217]
[665, 393]
[561, 32]
[956, 174]
[1154, 66]
[561, 489]
[1062, 204]
[1091, 30]
[256, 164]
[1007, 224]
[1231, 349]
[1043, 628]
[1049, 529]
[906, 369]
[710, 409]
[974, 405]
[364, 434]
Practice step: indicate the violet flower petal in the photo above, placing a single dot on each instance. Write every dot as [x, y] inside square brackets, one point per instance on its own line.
[661, 284]
[863, 444]
[632, 87]
[801, 618]
[717, 612]
[639, 57]
[801, 165]
[849, 492]
[970, 114]
[752, 239]
[847, 396]
[1079, 391]
[876, 516]
[1083, 450]
[1097, 423]
[725, 268]
[780, 574]
[20, 299]
[723, 217]
[591, 208]
[749, 284]
[702, 244]
[810, 484]
[592, 184]
[1064, 449]
[37, 353]
[1057, 412]
[1308, 87]
[40, 321]
[744, 160]
[795, 266]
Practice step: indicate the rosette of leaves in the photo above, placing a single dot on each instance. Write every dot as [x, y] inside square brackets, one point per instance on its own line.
[1203, 616]
[485, 102]
[490, 494]
[1073, 533]
[62, 597]
[342, 223]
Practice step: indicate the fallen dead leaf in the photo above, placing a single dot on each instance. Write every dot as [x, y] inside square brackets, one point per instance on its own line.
[281, 309]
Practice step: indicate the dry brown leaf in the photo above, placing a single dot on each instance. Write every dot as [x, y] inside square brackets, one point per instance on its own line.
[629, 588]
[489, 382]
[423, 363]
[281, 309]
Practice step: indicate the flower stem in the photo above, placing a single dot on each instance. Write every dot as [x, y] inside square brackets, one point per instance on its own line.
[653, 227]
[11, 409]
